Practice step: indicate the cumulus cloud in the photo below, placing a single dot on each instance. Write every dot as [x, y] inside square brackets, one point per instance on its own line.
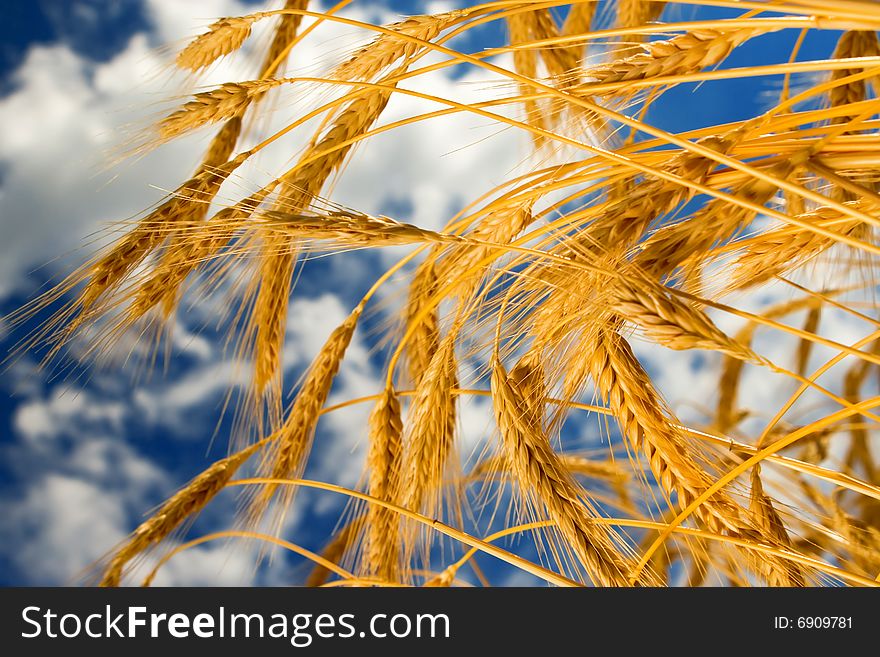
[58, 526]
[36, 419]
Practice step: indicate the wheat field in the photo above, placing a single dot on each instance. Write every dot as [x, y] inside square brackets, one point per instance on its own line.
[746, 241]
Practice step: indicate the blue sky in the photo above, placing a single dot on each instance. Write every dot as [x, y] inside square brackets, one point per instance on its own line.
[86, 455]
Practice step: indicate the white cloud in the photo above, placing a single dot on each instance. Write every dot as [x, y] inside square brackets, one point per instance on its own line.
[62, 526]
[171, 403]
[37, 419]
[218, 564]
[65, 525]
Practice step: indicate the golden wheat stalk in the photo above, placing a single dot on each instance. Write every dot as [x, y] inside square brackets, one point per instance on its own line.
[224, 102]
[233, 106]
[633, 13]
[525, 63]
[109, 270]
[625, 221]
[199, 243]
[687, 53]
[558, 61]
[776, 572]
[667, 320]
[622, 381]
[299, 187]
[776, 252]
[183, 505]
[270, 315]
[422, 320]
[349, 228]
[543, 478]
[430, 434]
[852, 43]
[691, 240]
[291, 447]
[385, 464]
[285, 32]
[386, 49]
[222, 37]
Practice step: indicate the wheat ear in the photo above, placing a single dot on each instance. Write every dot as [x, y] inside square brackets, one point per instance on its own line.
[196, 244]
[285, 32]
[270, 315]
[228, 100]
[150, 232]
[525, 63]
[384, 462]
[429, 453]
[691, 240]
[294, 439]
[545, 481]
[852, 43]
[776, 252]
[184, 504]
[777, 572]
[386, 49]
[579, 21]
[558, 60]
[621, 380]
[299, 187]
[223, 37]
[669, 321]
[422, 321]
[430, 432]
[687, 53]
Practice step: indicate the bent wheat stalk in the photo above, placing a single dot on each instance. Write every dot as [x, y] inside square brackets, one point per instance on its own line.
[543, 479]
[186, 503]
